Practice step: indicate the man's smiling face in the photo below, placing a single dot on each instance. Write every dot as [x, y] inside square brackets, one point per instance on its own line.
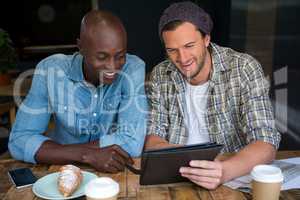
[186, 48]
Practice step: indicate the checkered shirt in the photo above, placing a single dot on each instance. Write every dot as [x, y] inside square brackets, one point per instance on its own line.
[239, 110]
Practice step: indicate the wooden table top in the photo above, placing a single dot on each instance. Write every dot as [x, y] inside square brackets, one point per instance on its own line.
[130, 188]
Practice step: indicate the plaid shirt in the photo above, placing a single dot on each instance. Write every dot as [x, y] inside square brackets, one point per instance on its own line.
[239, 110]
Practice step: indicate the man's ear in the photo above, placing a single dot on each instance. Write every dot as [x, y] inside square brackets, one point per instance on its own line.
[207, 40]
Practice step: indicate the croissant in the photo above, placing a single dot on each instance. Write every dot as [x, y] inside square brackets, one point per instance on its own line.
[69, 179]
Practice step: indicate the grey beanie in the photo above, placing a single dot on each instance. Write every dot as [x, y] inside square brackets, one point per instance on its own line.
[189, 12]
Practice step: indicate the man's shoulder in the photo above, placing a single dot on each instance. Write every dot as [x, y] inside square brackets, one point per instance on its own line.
[56, 61]
[245, 63]
[163, 66]
[235, 60]
[243, 58]
[162, 70]
[133, 62]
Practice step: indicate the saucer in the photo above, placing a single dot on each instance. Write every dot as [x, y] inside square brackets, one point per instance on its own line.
[46, 187]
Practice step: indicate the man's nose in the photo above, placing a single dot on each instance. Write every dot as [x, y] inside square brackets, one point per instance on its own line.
[182, 56]
[111, 65]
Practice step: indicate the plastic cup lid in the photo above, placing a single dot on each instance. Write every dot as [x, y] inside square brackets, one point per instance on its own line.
[267, 174]
[103, 187]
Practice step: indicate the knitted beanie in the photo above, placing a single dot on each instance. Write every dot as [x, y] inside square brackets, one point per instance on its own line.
[188, 12]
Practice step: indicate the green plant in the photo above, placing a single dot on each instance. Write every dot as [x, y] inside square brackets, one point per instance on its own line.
[8, 55]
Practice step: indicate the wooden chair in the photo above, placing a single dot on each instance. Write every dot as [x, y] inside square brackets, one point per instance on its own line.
[9, 107]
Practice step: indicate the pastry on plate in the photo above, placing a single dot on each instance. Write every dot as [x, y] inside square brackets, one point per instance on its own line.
[69, 179]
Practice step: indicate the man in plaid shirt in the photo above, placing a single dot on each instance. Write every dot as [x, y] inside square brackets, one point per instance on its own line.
[207, 93]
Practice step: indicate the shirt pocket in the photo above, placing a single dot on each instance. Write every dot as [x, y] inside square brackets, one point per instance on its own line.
[220, 124]
[111, 104]
[67, 118]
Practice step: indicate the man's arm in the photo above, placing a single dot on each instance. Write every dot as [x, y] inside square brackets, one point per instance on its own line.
[243, 162]
[51, 152]
[210, 174]
[32, 118]
[156, 142]
[107, 159]
[158, 112]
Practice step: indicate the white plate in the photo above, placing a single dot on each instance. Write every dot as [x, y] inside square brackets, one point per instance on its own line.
[46, 187]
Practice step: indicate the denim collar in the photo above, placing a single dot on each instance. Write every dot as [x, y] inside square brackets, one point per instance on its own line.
[75, 70]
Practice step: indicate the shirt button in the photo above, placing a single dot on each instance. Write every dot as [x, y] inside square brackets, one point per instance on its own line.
[65, 107]
[96, 95]
[94, 114]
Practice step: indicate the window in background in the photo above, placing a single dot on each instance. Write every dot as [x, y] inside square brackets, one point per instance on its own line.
[268, 31]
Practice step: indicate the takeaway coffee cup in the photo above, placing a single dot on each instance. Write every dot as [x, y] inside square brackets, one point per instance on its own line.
[266, 182]
[103, 188]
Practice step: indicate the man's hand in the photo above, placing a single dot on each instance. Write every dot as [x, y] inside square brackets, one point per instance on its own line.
[110, 159]
[156, 142]
[207, 174]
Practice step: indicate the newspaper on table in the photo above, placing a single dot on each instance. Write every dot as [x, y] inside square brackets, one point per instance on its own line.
[289, 167]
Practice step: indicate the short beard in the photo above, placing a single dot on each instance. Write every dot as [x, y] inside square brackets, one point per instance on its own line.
[199, 68]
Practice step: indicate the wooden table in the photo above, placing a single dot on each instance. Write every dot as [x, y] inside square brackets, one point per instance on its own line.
[130, 188]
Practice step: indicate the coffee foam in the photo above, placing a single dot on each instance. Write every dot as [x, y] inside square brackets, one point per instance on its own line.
[103, 187]
[267, 174]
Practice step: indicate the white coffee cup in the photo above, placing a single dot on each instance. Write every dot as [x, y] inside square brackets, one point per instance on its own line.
[103, 188]
[266, 182]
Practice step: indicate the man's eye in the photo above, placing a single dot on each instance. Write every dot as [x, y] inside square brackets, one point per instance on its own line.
[170, 50]
[189, 46]
[102, 57]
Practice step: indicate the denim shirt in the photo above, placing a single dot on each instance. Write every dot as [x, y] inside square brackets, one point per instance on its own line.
[112, 114]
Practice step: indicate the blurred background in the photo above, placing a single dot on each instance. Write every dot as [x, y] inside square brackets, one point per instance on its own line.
[267, 30]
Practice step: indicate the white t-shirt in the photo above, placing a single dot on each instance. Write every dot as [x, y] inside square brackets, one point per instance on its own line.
[196, 100]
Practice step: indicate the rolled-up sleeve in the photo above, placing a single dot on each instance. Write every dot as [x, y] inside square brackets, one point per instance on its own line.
[257, 112]
[130, 128]
[32, 120]
[158, 114]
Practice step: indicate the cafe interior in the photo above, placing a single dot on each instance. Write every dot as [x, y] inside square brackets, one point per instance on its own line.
[268, 30]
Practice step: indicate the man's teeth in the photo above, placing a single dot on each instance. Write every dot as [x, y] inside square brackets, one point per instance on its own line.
[188, 64]
[109, 73]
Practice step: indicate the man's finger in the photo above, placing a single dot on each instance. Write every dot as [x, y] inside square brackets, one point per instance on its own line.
[201, 172]
[112, 169]
[202, 179]
[117, 165]
[205, 164]
[119, 159]
[123, 153]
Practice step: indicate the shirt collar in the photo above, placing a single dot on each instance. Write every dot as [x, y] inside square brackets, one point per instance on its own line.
[75, 70]
[220, 61]
[219, 58]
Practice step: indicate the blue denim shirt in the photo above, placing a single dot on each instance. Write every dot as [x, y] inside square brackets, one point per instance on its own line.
[112, 114]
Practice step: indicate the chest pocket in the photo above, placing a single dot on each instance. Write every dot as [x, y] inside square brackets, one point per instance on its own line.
[111, 104]
[66, 117]
[218, 117]
[109, 113]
